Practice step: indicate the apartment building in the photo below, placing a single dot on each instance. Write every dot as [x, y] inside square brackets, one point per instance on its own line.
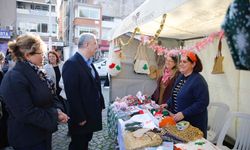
[38, 16]
[7, 23]
[76, 17]
[94, 16]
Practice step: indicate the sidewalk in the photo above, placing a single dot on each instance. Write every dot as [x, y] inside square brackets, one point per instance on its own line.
[100, 141]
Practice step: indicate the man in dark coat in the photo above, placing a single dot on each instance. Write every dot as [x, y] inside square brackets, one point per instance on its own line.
[83, 90]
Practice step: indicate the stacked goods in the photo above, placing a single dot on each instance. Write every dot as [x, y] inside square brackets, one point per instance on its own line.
[191, 133]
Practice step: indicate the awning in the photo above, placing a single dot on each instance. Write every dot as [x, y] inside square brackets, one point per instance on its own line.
[185, 18]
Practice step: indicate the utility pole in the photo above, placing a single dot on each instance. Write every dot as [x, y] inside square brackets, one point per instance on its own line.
[50, 26]
[71, 11]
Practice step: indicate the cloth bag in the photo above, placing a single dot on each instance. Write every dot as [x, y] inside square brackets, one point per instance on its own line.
[141, 60]
[114, 62]
[146, 140]
[218, 61]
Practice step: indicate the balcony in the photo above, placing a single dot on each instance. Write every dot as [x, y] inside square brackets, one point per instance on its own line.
[35, 12]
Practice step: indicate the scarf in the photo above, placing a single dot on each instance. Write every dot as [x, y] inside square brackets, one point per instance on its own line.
[167, 75]
[42, 75]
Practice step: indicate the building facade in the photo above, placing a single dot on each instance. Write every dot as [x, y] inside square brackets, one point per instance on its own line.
[38, 16]
[7, 23]
[94, 16]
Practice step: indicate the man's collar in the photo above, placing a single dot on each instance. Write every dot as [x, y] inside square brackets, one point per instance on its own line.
[88, 61]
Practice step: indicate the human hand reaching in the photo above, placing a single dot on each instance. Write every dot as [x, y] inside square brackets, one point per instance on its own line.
[178, 117]
[164, 105]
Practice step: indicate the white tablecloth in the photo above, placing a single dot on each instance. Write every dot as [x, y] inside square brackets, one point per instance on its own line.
[206, 145]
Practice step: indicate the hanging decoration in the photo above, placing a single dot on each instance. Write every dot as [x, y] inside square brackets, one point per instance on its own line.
[122, 44]
[161, 50]
[114, 62]
[158, 32]
[137, 30]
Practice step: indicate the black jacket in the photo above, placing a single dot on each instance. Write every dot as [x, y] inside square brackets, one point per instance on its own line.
[31, 106]
[84, 95]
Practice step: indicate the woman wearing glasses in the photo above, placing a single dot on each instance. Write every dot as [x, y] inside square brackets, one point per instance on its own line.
[29, 95]
[166, 81]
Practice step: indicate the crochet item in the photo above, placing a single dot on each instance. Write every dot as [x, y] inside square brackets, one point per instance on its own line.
[190, 134]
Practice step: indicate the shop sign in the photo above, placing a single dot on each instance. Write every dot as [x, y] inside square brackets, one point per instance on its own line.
[4, 34]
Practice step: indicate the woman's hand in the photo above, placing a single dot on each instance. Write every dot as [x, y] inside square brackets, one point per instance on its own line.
[163, 105]
[62, 117]
[178, 117]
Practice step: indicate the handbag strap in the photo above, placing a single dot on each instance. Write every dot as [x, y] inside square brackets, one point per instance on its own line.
[219, 47]
[137, 52]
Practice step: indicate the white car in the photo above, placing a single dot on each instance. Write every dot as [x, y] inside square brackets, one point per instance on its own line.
[101, 67]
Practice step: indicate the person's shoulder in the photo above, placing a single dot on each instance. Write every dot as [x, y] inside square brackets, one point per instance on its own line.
[46, 66]
[198, 78]
[13, 76]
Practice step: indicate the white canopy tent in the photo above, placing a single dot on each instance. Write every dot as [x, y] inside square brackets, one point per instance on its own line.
[185, 18]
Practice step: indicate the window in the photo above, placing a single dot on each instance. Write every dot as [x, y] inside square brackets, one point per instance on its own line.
[87, 12]
[27, 27]
[107, 18]
[53, 9]
[45, 7]
[20, 5]
[54, 28]
[37, 7]
[32, 6]
[42, 27]
[82, 1]
[95, 31]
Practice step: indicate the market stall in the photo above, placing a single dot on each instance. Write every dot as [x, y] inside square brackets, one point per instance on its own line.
[189, 24]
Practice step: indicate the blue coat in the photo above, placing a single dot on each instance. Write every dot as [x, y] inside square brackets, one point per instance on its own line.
[31, 107]
[192, 101]
[84, 95]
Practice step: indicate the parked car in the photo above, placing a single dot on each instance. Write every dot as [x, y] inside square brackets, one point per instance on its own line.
[100, 66]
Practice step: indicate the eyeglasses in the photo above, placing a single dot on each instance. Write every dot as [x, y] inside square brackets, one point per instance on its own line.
[39, 53]
[169, 61]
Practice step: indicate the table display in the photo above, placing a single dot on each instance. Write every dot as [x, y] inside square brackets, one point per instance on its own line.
[139, 123]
